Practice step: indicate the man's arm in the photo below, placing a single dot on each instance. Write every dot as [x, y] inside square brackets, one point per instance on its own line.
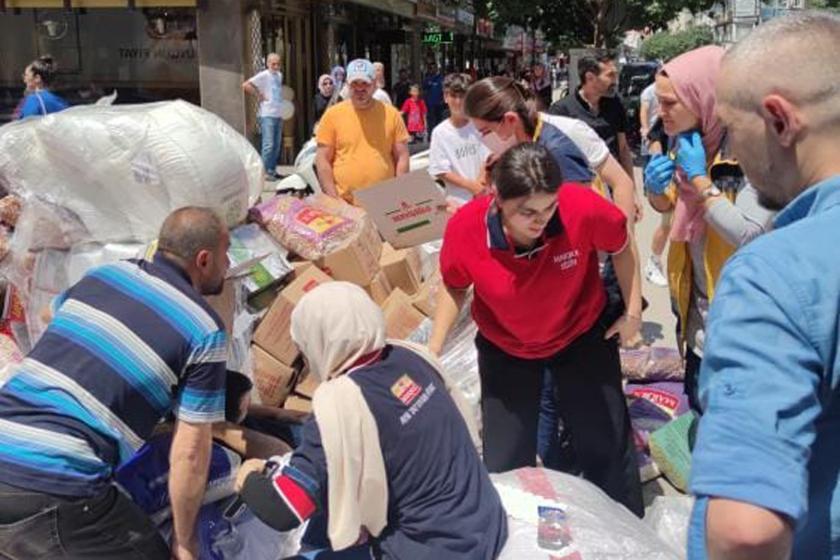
[623, 188]
[644, 114]
[401, 157]
[324, 158]
[740, 531]
[251, 89]
[189, 461]
[625, 155]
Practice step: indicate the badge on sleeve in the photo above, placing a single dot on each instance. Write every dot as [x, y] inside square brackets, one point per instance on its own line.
[406, 390]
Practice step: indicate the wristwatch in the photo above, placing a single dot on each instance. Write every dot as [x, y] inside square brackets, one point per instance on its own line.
[710, 191]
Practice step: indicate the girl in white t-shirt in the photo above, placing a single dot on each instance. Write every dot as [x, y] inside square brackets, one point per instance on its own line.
[456, 154]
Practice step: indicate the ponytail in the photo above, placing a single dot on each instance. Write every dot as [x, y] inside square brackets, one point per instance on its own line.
[489, 99]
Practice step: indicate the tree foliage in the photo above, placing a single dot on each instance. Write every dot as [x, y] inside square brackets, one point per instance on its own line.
[665, 46]
[597, 23]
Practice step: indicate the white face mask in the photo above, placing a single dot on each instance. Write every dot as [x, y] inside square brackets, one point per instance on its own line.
[496, 144]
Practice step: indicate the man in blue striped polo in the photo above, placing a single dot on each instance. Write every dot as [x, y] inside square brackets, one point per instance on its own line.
[128, 344]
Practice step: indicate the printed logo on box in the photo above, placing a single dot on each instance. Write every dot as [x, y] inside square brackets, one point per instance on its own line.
[411, 216]
[406, 390]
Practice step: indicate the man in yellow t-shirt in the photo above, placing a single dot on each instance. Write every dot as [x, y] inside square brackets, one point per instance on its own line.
[361, 141]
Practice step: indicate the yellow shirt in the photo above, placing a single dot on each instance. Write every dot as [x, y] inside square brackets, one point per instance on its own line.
[364, 142]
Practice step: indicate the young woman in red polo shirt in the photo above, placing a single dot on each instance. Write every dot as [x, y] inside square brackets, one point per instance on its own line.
[530, 253]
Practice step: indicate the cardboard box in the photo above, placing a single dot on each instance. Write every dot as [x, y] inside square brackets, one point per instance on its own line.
[402, 267]
[426, 298]
[272, 334]
[273, 379]
[408, 210]
[307, 384]
[401, 317]
[380, 288]
[357, 261]
[298, 404]
[299, 267]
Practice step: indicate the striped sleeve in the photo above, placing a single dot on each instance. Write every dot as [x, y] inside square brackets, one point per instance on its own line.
[202, 397]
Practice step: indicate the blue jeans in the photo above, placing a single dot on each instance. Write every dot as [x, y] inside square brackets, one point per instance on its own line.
[271, 129]
[548, 442]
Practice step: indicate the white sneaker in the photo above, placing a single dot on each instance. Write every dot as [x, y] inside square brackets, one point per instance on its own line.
[653, 272]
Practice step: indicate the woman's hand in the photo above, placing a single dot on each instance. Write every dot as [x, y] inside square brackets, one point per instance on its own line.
[691, 155]
[658, 174]
[248, 467]
[628, 329]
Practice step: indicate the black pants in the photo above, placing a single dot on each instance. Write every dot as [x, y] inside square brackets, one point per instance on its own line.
[107, 526]
[587, 377]
[692, 371]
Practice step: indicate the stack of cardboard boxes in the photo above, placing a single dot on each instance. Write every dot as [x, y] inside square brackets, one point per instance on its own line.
[393, 278]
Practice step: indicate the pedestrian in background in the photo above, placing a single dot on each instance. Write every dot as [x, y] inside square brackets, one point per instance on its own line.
[433, 92]
[541, 85]
[38, 79]
[715, 209]
[267, 86]
[339, 76]
[596, 104]
[765, 465]
[381, 94]
[414, 110]
[648, 116]
[456, 154]
[401, 88]
[361, 141]
[323, 96]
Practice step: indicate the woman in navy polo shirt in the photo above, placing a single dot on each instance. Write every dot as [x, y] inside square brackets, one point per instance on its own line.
[530, 252]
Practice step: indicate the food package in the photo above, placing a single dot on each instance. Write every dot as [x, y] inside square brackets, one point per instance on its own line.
[403, 268]
[273, 334]
[304, 227]
[10, 209]
[652, 364]
[112, 174]
[257, 257]
[670, 450]
[652, 405]
[594, 526]
[356, 260]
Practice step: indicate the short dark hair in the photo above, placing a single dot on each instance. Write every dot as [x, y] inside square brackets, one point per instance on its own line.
[189, 230]
[524, 170]
[457, 83]
[592, 64]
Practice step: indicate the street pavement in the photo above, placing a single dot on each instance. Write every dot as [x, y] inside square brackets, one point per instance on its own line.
[659, 323]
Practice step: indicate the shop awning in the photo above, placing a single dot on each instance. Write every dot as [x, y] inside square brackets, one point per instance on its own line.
[399, 7]
[97, 3]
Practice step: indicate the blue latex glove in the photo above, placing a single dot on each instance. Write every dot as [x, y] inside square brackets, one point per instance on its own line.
[691, 154]
[658, 174]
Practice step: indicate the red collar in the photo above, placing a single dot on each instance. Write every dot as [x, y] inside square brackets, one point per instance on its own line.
[366, 360]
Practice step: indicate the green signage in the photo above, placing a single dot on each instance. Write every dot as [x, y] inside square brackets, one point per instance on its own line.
[438, 38]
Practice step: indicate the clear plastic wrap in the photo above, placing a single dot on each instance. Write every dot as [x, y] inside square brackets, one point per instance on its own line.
[116, 172]
[599, 528]
[668, 516]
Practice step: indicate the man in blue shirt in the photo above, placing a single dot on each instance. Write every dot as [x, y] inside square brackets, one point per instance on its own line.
[433, 95]
[765, 466]
[128, 344]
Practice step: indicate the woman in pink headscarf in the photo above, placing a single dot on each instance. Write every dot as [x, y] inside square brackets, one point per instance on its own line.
[715, 209]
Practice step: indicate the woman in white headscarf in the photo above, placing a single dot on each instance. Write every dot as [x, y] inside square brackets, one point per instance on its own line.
[386, 442]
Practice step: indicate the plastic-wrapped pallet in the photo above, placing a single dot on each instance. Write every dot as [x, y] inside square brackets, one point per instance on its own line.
[114, 173]
[597, 528]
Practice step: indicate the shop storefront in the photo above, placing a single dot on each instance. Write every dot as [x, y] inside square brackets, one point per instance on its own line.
[148, 53]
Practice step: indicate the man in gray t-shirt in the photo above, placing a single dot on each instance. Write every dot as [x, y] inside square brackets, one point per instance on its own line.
[648, 112]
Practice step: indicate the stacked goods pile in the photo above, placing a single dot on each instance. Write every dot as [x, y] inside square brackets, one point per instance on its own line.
[93, 184]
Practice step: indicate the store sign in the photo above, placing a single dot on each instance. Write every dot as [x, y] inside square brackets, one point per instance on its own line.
[438, 38]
